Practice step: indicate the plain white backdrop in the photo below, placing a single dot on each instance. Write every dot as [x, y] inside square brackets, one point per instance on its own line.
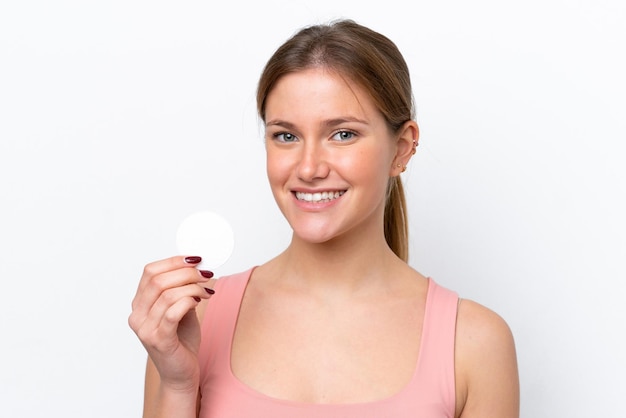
[120, 118]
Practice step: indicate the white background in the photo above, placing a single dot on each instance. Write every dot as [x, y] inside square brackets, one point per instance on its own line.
[119, 118]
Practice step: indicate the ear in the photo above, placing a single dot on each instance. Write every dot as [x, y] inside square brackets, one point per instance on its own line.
[406, 144]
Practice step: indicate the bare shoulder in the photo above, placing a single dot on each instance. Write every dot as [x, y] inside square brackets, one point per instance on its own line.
[486, 364]
[479, 324]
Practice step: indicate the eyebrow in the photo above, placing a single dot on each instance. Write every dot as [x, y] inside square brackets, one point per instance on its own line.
[327, 123]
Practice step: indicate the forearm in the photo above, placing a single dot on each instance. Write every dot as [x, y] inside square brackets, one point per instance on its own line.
[163, 400]
[171, 403]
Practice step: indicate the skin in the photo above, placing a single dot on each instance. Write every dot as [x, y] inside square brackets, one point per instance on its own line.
[322, 134]
[354, 309]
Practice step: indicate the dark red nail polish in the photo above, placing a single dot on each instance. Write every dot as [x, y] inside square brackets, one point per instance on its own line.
[197, 298]
[206, 273]
[193, 260]
[209, 291]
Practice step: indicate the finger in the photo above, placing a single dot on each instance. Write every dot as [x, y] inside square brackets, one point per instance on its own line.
[169, 309]
[155, 285]
[160, 333]
[166, 265]
[144, 302]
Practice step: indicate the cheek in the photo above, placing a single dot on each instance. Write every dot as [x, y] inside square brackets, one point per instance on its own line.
[276, 168]
[372, 164]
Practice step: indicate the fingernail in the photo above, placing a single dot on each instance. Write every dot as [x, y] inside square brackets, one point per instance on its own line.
[197, 298]
[206, 273]
[193, 260]
[209, 291]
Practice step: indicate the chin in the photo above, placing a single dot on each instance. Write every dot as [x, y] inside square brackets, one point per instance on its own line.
[314, 234]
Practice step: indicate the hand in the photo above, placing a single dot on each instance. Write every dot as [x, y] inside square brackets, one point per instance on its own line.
[164, 318]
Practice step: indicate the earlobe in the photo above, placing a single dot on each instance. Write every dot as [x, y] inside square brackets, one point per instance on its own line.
[403, 167]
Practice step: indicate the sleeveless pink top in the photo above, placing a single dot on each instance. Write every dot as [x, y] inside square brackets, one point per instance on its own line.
[429, 394]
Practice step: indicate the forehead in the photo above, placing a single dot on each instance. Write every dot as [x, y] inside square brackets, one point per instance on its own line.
[318, 91]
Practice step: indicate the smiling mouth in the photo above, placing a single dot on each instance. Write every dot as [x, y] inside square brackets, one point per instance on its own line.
[319, 197]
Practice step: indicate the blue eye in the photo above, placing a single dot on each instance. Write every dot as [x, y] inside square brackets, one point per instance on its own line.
[344, 136]
[285, 137]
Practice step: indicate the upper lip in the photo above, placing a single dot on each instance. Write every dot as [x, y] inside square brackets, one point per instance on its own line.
[320, 190]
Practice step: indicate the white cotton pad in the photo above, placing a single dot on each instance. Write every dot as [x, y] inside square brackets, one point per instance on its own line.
[208, 235]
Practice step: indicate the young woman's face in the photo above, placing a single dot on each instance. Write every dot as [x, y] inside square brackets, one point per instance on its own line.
[329, 155]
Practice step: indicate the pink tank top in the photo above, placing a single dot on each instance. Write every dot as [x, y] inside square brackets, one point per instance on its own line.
[429, 394]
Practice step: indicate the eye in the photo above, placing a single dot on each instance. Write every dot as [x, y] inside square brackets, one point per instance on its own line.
[343, 136]
[285, 137]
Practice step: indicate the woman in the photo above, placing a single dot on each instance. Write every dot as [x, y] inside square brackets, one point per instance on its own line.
[338, 324]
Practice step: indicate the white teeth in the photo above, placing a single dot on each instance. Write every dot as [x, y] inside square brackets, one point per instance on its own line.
[319, 196]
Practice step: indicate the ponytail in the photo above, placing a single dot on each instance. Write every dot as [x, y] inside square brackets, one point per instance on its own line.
[396, 222]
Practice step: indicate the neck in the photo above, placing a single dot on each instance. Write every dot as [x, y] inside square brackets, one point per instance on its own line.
[345, 264]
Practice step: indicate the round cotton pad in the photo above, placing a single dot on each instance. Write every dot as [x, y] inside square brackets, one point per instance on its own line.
[208, 235]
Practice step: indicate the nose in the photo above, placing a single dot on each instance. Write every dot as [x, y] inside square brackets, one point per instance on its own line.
[313, 162]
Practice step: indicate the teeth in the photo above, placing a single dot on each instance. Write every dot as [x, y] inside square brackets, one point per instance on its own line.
[319, 196]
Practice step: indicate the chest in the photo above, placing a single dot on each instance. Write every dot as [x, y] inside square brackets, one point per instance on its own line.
[310, 352]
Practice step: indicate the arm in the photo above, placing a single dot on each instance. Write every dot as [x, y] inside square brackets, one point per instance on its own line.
[486, 365]
[161, 402]
[164, 317]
